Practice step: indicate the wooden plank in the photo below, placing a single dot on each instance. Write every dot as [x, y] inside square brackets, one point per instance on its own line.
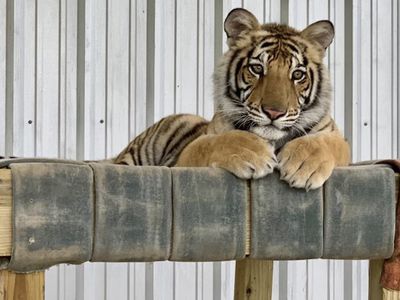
[21, 286]
[389, 295]
[5, 212]
[5, 202]
[253, 280]
[375, 269]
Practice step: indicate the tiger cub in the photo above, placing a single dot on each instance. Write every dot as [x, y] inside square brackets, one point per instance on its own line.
[273, 98]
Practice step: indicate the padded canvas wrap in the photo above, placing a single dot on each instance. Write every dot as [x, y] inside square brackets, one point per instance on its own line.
[53, 215]
[76, 212]
[359, 213]
[209, 215]
[287, 223]
[133, 213]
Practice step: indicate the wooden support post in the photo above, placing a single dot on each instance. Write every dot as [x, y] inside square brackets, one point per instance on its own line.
[375, 289]
[376, 292]
[253, 279]
[14, 286]
[21, 286]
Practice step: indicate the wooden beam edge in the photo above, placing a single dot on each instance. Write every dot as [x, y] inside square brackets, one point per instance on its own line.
[5, 212]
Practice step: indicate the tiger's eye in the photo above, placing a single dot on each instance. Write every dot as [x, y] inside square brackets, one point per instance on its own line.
[297, 75]
[256, 69]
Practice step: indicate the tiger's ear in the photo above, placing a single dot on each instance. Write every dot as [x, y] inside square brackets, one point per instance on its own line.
[321, 32]
[239, 21]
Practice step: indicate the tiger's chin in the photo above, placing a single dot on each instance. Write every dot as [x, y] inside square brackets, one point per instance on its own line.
[269, 132]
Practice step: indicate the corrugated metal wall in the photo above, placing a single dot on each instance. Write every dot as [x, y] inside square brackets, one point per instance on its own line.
[80, 78]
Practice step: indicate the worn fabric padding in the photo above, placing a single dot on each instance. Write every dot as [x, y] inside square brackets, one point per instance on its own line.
[138, 208]
[209, 208]
[23, 160]
[359, 213]
[133, 213]
[53, 215]
[286, 223]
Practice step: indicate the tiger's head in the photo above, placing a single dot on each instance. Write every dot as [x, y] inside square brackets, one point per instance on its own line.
[272, 80]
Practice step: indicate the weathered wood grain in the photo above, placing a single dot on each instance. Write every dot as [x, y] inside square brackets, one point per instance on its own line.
[253, 279]
[21, 286]
[5, 212]
[375, 269]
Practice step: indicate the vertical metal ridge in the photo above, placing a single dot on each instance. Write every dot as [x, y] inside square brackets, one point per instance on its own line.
[218, 34]
[149, 286]
[36, 78]
[108, 120]
[61, 152]
[9, 116]
[150, 45]
[217, 281]
[394, 77]
[372, 74]
[347, 280]
[59, 83]
[283, 279]
[175, 55]
[136, 63]
[398, 80]
[129, 74]
[285, 11]
[80, 79]
[150, 57]
[374, 81]
[348, 75]
[198, 63]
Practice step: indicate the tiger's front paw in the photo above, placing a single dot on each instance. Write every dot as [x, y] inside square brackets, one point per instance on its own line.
[305, 163]
[244, 154]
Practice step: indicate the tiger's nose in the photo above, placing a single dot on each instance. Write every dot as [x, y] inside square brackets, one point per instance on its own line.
[271, 113]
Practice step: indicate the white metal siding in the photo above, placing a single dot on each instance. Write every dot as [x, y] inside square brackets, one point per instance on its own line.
[80, 78]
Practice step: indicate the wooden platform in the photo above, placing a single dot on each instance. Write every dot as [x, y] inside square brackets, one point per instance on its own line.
[253, 277]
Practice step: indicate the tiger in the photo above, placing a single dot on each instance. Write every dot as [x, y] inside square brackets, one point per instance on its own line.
[273, 96]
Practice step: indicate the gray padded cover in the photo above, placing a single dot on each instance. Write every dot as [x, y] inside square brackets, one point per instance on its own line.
[286, 222]
[360, 209]
[133, 213]
[52, 220]
[209, 215]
